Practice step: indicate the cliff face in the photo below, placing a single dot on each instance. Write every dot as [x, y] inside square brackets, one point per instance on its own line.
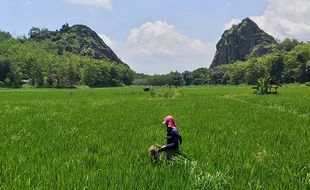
[242, 40]
[90, 44]
[78, 39]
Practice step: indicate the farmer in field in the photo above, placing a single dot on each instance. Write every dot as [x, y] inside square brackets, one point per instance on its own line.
[173, 140]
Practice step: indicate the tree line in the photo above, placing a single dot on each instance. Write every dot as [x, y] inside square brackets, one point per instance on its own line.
[40, 64]
[289, 63]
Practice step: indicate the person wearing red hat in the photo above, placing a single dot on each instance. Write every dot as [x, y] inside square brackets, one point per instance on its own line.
[174, 140]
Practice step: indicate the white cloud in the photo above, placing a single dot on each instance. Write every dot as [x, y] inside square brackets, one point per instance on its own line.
[97, 3]
[286, 18]
[108, 41]
[156, 47]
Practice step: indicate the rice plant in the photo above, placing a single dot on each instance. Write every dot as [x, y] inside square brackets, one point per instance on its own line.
[99, 138]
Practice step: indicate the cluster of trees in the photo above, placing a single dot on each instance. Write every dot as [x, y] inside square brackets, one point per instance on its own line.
[39, 64]
[61, 41]
[289, 63]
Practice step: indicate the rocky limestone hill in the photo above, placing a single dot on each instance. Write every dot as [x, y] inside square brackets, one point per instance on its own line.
[241, 41]
[78, 39]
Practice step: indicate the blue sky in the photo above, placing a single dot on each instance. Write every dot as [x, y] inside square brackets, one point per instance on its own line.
[162, 35]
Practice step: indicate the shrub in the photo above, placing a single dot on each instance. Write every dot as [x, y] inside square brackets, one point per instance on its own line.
[262, 85]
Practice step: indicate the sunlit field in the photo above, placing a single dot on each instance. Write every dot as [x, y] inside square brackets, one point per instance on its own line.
[98, 138]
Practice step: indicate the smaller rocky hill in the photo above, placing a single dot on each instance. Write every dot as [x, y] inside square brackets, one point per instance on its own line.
[78, 39]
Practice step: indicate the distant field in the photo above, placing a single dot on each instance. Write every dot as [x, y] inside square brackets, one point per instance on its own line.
[98, 138]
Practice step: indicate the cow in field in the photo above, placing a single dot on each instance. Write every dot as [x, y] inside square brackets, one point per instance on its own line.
[147, 89]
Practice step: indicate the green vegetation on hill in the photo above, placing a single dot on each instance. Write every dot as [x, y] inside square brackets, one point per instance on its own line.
[72, 56]
[4, 35]
[39, 64]
[283, 67]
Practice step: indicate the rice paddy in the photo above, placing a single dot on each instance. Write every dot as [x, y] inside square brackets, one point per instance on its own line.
[99, 138]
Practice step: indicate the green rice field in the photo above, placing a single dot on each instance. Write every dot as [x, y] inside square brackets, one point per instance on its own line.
[99, 138]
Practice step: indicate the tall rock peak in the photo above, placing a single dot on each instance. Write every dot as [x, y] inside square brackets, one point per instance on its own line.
[241, 41]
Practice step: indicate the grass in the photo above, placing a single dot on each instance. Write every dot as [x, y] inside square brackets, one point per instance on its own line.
[98, 138]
